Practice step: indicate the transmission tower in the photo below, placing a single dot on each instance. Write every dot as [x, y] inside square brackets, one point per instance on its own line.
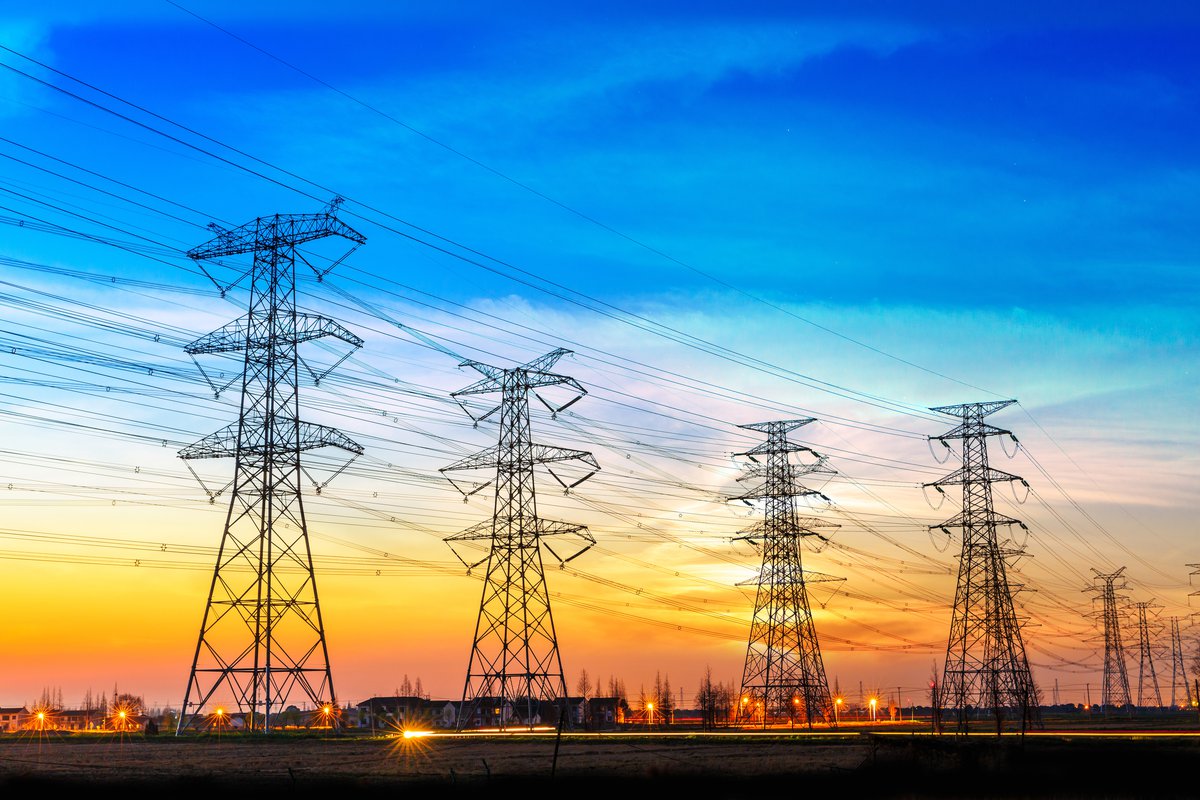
[515, 663]
[1145, 657]
[1178, 671]
[784, 677]
[262, 640]
[1116, 677]
[986, 665]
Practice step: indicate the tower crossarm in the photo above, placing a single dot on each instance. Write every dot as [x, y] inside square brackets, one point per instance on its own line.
[780, 575]
[236, 336]
[972, 429]
[773, 447]
[759, 469]
[778, 426]
[224, 443]
[491, 457]
[281, 230]
[767, 491]
[978, 517]
[805, 526]
[973, 409]
[964, 475]
[549, 527]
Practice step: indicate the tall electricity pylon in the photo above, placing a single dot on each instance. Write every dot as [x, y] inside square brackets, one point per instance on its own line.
[515, 663]
[986, 665]
[1145, 657]
[262, 639]
[784, 676]
[1178, 671]
[1116, 678]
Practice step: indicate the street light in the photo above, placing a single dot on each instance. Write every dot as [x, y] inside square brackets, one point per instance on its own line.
[837, 706]
[873, 704]
[650, 708]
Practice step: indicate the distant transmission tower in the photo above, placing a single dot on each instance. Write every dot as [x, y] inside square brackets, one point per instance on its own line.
[1178, 671]
[1116, 678]
[784, 677]
[1145, 657]
[262, 640]
[986, 665]
[515, 664]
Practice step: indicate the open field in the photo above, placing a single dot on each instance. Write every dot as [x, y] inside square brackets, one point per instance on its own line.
[736, 765]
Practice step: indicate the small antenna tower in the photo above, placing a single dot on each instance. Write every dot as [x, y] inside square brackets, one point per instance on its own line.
[784, 677]
[262, 639]
[515, 663]
[986, 665]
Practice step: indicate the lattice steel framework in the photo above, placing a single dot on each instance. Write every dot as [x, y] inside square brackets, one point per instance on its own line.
[1146, 657]
[986, 665]
[262, 640]
[1178, 670]
[1116, 677]
[784, 676]
[515, 670]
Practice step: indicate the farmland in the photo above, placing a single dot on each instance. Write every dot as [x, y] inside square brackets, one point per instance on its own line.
[730, 765]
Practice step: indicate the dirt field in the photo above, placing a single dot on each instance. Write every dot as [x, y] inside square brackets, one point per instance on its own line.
[717, 767]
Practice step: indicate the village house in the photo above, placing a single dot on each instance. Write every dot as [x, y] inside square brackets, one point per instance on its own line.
[11, 719]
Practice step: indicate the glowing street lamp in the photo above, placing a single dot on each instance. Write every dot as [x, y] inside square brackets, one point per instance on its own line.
[650, 708]
[874, 702]
[837, 706]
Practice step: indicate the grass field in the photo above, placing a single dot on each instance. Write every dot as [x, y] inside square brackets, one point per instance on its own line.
[874, 762]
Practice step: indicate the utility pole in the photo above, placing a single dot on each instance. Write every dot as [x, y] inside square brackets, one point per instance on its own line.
[783, 670]
[1116, 677]
[262, 639]
[986, 665]
[515, 662]
[1145, 658]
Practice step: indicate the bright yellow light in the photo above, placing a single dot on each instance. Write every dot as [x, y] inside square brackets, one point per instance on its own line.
[745, 700]
[650, 706]
[326, 709]
[795, 701]
[416, 734]
[838, 701]
[220, 712]
[41, 715]
[873, 702]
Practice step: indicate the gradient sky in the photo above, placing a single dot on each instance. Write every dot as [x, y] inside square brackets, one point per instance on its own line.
[729, 216]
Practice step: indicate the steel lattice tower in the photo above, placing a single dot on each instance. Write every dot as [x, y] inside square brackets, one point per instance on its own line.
[784, 676]
[1116, 677]
[515, 662]
[1178, 671]
[262, 640]
[1145, 657]
[986, 665]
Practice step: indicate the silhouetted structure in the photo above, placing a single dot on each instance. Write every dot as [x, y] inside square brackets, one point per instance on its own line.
[1116, 677]
[1178, 671]
[784, 676]
[262, 640]
[515, 662]
[986, 665]
[1145, 657]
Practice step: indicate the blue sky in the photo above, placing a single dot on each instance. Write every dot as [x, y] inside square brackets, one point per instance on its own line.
[895, 207]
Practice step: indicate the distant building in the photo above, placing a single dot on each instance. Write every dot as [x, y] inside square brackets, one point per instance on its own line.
[397, 713]
[11, 719]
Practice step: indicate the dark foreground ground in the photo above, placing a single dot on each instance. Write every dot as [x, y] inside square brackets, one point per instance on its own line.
[728, 767]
